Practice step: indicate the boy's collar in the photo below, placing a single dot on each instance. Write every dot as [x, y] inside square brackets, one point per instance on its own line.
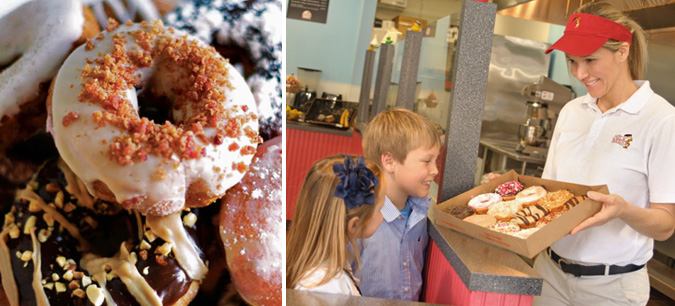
[390, 212]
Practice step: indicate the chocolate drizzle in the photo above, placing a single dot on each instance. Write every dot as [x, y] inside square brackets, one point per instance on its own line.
[90, 252]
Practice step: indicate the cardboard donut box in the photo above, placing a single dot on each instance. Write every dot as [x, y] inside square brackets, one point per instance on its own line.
[540, 239]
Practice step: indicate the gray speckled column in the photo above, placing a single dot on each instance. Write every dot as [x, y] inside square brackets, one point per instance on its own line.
[384, 66]
[469, 82]
[407, 84]
[366, 81]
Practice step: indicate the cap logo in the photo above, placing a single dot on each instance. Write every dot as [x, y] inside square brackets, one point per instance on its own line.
[576, 22]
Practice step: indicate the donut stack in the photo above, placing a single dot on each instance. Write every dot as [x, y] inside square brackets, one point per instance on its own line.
[147, 128]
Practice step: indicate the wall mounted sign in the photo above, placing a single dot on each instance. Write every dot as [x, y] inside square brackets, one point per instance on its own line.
[309, 10]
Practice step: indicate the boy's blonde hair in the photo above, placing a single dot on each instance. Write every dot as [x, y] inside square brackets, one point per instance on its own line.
[398, 131]
[318, 232]
[637, 56]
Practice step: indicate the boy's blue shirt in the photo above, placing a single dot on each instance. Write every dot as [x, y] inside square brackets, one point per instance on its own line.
[393, 258]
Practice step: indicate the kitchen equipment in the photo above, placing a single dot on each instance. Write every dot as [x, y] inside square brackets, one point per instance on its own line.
[304, 98]
[309, 77]
[332, 113]
[539, 123]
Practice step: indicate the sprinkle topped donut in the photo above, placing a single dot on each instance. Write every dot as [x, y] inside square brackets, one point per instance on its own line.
[189, 135]
[509, 190]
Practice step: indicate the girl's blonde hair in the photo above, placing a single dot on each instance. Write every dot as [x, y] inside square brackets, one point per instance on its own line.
[637, 56]
[318, 232]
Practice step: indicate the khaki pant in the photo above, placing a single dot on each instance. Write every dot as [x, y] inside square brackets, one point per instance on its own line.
[561, 288]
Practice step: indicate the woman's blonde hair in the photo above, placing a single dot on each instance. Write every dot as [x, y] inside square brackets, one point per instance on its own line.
[637, 56]
[318, 232]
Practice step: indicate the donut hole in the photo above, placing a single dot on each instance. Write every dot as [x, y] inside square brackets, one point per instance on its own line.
[155, 107]
[238, 57]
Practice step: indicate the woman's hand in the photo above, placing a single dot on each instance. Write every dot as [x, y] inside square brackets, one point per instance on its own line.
[657, 222]
[493, 176]
[612, 207]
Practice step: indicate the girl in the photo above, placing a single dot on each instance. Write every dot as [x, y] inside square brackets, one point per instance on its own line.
[339, 202]
[619, 134]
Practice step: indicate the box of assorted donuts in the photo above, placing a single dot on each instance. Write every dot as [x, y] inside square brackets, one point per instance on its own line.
[522, 214]
[141, 152]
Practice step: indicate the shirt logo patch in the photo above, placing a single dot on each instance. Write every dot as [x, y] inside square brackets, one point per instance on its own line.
[623, 140]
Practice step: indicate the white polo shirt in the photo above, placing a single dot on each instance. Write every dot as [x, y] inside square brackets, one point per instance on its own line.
[631, 149]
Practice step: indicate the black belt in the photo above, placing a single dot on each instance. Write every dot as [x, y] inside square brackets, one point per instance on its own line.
[579, 270]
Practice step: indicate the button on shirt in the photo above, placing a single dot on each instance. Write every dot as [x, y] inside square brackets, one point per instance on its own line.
[630, 149]
[393, 258]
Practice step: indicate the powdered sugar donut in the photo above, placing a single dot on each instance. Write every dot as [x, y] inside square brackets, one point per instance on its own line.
[249, 33]
[209, 131]
[531, 195]
[509, 190]
[482, 202]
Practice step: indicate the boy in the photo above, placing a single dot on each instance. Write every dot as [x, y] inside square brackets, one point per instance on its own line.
[406, 145]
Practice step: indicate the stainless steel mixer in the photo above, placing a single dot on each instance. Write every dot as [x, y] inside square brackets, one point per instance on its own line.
[539, 124]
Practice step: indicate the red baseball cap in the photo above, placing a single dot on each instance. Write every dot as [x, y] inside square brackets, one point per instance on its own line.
[586, 33]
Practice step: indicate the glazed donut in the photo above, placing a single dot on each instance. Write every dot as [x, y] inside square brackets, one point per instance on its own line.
[250, 227]
[554, 201]
[249, 33]
[509, 190]
[481, 203]
[56, 248]
[36, 38]
[530, 195]
[102, 130]
[504, 211]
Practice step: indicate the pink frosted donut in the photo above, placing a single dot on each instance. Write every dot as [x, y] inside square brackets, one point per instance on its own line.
[481, 203]
[197, 140]
[529, 196]
[509, 190]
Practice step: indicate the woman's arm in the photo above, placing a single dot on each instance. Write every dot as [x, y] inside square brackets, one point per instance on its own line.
[656, 222]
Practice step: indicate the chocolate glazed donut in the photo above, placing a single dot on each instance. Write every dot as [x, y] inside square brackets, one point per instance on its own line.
[60, 246]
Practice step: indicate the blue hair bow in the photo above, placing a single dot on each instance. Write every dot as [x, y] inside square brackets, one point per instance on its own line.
[357, 183]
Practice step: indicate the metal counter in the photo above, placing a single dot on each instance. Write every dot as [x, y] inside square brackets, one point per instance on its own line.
[319, 129]
[307, 298]
[507, 150]
[483, 267]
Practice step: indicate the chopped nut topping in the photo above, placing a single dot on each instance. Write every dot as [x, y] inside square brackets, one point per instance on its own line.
[86, 281]
[26, 255]
[69, 207]
[60, 287]
[110, 276]
[73, 285]
[91, 221]
[49, 219]
[52, 187]
[61, 261]
[143, 254]
[33, 206]
[58, 200]
[150, 235]
[68, 276]
[164, 249]
[14, 231]
[43, 235]
[49, 286]
[95, 295]
[78, 274]
[145, 245]
[146, 270]
[78, 293]
[55, 277]
[30, 224]
[189, 219]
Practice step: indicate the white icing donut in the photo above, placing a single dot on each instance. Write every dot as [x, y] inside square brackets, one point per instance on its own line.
[156, 169]
[482, 202]
[38, 35]
[530, 195]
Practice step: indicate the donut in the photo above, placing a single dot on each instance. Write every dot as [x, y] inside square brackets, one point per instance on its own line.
[550, 217]
[250, 220]
[503, 211]
[460, 212]
[530, 195]
[482, 202]
[554, 201]
[482, 220]
[56, 248]
[36, 38]
[509, 190]
[250, 34]
[573, 202]
[524, 233]
[504, 227]
[206, 131]
[528, 216]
